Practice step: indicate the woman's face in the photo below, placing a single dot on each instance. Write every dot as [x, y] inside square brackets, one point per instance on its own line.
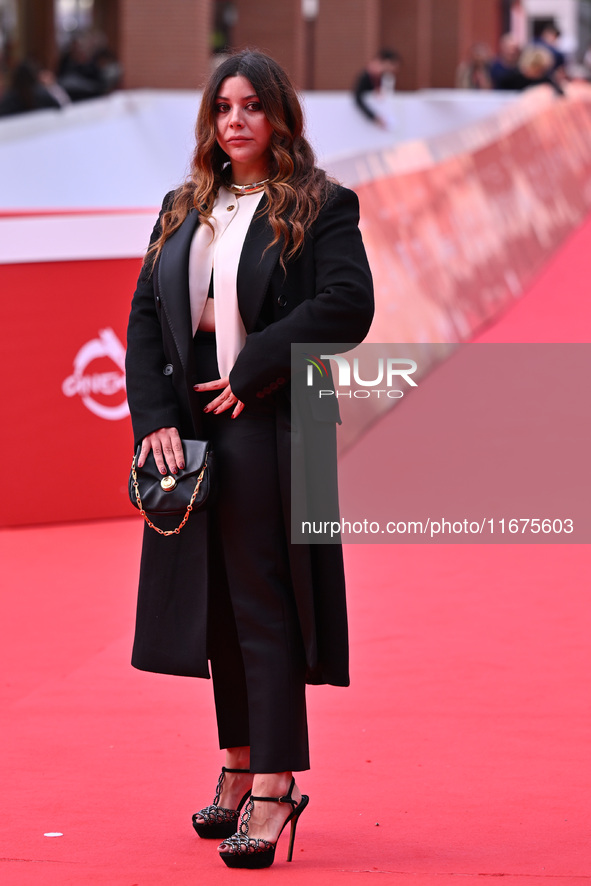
[242, 129]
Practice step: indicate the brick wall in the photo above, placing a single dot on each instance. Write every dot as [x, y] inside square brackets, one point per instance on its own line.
[406, 27]
[326, 54]
[485, 23]
[276, 28]
[457, 25]
[164, 44]
[347, 34]
[36, 32]
[445, 48]
[433, 36]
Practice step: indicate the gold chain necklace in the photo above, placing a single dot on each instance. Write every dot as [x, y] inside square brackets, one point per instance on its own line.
[252, 188]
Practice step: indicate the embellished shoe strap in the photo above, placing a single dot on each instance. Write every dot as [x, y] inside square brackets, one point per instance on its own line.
[220, 784]
[241, 842]
[285, 799]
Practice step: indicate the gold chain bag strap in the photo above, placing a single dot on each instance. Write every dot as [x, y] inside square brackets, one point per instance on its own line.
[154, 494]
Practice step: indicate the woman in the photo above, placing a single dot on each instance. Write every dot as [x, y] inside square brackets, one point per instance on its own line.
[534, 69]
[258, 249]
[474, 73]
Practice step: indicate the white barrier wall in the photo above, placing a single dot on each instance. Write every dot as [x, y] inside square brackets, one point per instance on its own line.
[128, 150]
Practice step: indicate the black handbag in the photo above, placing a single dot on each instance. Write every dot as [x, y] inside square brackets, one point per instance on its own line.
[188, 490]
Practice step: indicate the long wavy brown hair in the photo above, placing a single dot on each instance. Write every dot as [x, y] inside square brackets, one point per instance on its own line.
[296, 189]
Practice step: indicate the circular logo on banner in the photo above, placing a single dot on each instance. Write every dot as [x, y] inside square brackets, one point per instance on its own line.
[102, 390]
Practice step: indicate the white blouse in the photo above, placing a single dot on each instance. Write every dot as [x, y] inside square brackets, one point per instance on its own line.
[231, 218]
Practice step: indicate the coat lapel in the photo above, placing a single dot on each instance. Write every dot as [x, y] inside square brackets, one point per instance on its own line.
[254, 274]
[255, 267]
[173, 283]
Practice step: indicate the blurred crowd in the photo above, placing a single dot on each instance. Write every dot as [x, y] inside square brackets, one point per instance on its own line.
[87, 68]
[518, 67]
[515, 67]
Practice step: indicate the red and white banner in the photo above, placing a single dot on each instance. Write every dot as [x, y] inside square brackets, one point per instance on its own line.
[66, 441]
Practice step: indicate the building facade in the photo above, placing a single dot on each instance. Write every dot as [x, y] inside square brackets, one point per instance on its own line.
[322, 43]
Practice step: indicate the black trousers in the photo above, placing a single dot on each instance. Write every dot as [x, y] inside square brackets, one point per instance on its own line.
[254, 638]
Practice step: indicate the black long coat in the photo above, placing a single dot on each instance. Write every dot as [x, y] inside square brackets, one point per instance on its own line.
[325, 295]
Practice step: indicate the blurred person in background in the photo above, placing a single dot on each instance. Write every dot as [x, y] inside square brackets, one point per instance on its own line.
[474, 72]
[31, 89]
[379, 74]
[4, 67]
[507, 61]
[586, 64]
[257, 250]
[536, 67]
[88, 68]
[548, 39]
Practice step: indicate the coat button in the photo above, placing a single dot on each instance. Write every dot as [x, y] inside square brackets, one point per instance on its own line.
[282, 301]
[280, 381]
[230, 207]
[273, 385]
[260, 395]
[167, 369]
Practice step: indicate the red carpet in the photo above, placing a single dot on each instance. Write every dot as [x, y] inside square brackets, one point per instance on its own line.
[459, 754]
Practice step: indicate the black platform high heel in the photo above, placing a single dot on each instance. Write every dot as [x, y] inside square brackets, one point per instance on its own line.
[219, 822]
[248, 852]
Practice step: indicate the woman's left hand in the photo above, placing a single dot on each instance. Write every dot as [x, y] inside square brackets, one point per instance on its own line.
[226, 399]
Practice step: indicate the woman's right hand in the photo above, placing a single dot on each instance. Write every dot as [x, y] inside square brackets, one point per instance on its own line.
[165, 443]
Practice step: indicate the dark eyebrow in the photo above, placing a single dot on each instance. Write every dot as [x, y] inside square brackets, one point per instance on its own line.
[246, 97]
